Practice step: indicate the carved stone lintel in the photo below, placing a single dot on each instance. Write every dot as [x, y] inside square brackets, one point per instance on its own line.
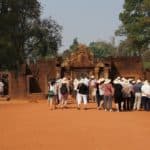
[82, 57]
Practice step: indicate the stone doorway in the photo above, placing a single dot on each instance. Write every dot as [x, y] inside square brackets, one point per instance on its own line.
[81, 62]
[81, 72]
[33, 86]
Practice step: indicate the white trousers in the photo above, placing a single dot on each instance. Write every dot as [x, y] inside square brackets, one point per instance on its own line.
[137, 102]
[81, 97]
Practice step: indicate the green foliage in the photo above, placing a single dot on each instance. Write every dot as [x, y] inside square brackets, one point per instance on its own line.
[146, 64]
[16, 17]
[126, 48]
[45, 39]
[146, 56]
[74, 44]
[72, 47]
[135, 26]
[102, 49]
[24, 35]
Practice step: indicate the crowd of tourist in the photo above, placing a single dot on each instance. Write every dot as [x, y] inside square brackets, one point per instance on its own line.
[126, 94]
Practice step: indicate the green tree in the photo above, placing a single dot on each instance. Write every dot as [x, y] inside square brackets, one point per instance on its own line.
[23, 34]
[16, 18]
[135, 26]
[125, 48]
[72, 47]
[45, 39]
[102, 49]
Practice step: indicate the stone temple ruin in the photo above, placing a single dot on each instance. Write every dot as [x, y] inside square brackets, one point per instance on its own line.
[82, 61]
[31, 81]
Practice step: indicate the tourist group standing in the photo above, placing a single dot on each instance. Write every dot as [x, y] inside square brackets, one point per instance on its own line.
[127, 94]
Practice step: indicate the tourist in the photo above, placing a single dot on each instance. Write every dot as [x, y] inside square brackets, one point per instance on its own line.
[92, 87]
[1, 88]
[87, 82]
[82, 94]
[52, 94]
[108, 94]
[75, 85]
[118, 95]
[132, 99]
[58, 85]
[100, 93]
[146, 95]
[64, 90]
[126, 91]
[137, 90]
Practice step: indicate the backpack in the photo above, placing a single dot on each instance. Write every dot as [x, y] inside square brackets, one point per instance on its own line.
[51, 91]
[64, 89]
[83, 89]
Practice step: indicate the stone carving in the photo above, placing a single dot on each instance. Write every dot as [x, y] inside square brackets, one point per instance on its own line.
[82, 57]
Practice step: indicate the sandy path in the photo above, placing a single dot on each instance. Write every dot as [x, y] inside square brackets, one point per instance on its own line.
[32, 126]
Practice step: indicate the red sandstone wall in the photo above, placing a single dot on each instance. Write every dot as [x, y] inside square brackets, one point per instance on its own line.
[46, 69]
[129, 67]
[147, 74]
[18, 86]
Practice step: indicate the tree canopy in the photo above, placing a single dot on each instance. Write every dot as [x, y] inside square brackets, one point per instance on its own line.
[102, 49]
[135, 19]
[72, 47]
[24, 34]
[45, 39]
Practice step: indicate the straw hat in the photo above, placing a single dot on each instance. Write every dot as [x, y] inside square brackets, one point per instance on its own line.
[123, 79]
[118, 78]
[133, 82]
[107, 81]
[138, 81]
[100, 80]
[64, 80]
[126, 81]
[130, 79]
[92, 77]
[146, 82]
[116, 81]
[81, 81]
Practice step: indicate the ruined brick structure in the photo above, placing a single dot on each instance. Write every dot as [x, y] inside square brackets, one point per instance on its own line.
[31, 81]
[129, 67]
[82, 61]
[147, 74]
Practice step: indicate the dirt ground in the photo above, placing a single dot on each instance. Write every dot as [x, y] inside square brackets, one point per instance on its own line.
[32, 126]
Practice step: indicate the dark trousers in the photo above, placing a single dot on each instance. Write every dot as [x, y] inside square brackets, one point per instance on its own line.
[132, 99]
[127, 104]
[146, 103]
[99, 98]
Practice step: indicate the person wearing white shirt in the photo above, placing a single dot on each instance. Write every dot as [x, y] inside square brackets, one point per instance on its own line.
[1, 88]
[146, 95]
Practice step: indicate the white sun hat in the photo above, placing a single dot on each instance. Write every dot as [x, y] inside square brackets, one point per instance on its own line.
[81, 81]
[92, 77]
[64, 80]
[116, 81]
[138, 81]
[107, 81]
[100, 80]
[146, 82]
